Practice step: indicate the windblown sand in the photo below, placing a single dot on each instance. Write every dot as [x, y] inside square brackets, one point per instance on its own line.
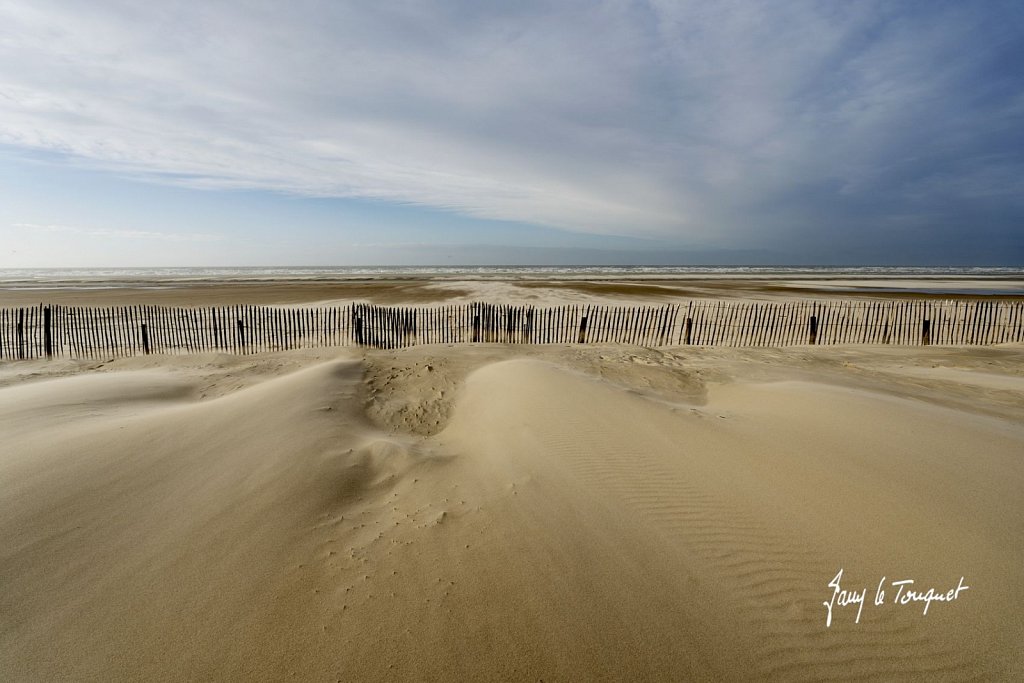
[496, 513]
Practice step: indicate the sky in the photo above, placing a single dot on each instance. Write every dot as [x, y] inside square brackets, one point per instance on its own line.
[257, 132]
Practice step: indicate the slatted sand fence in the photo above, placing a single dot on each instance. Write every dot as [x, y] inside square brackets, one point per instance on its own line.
[88, 332]
[394, 327]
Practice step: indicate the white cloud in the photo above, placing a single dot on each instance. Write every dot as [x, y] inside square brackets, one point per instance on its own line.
[637, 118]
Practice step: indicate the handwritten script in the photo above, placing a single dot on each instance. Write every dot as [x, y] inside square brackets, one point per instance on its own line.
[903, 592]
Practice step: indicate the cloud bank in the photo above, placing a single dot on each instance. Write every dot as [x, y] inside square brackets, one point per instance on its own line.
[714, 124]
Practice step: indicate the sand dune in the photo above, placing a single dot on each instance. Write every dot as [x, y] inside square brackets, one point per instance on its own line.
[559, 514]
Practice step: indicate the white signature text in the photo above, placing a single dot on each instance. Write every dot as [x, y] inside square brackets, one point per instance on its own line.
[905, 593]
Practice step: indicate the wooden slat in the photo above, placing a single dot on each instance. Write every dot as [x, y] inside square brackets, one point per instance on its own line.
[5, 348]
[1015, 323]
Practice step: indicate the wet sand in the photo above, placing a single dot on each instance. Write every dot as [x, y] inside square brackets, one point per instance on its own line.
[541, 291]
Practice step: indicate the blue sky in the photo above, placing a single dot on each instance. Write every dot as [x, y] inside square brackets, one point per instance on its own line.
[323, 133]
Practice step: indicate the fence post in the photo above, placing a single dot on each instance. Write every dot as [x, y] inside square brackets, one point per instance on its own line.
[689, 330]
[583, 331]
[47, 332]
[926, 332]
[814, 329]
[359, 330]
[241, 335]
[21, 334]
[476, 328]
[145, 339]
[216, 330]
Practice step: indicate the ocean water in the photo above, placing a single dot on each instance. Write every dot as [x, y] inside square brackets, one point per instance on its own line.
[105, 278]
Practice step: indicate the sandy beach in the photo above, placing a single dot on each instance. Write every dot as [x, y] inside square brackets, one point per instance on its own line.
[529, 286]
[488, 512]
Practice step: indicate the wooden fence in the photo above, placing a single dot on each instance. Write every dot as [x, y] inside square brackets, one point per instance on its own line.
[76, 332]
